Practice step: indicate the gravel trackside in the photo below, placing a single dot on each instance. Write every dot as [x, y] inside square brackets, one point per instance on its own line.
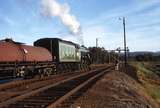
[115, 90]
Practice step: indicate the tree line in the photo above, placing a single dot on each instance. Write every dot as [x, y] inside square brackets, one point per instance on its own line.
[99, 55]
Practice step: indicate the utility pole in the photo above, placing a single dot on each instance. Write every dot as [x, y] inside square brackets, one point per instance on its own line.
[109, 57]
[96, 42]
[125, 55]
[97, 50]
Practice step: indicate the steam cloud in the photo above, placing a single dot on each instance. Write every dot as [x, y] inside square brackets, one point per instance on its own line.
[53, 8]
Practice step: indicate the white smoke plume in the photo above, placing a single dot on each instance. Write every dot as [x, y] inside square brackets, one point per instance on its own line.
[53, 8]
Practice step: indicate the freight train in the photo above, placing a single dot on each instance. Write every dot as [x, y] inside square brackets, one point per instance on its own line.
[47, 56]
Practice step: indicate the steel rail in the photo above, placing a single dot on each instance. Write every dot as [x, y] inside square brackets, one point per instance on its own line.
[21, 97]
[63, 98]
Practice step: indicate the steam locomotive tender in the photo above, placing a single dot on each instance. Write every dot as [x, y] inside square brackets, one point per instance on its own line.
[67, 55]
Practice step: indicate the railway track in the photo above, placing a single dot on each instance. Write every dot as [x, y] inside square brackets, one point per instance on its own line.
[17, 88]
[15, 83]
[21, 82]
[60, 94]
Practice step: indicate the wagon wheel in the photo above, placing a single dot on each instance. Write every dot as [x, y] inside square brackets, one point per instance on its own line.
[48, 71]
[20, 72]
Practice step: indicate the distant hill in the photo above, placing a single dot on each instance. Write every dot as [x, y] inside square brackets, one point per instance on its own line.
[133, 54]
[157, 53]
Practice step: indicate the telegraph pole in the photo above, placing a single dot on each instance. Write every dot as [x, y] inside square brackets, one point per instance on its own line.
[97, 50]
[96, 42]
[125, 55]
[109, 58]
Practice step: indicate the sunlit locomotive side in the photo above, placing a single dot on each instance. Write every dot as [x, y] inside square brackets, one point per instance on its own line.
[67, 55]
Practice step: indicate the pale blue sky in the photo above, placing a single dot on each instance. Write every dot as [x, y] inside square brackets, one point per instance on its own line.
[23, 21]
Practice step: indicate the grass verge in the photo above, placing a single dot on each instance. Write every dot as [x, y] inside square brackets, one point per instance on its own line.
[149, 79]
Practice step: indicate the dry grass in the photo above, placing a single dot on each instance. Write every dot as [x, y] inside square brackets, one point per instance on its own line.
[150, 80]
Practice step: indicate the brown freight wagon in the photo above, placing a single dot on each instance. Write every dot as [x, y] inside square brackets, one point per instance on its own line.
[17, 59]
